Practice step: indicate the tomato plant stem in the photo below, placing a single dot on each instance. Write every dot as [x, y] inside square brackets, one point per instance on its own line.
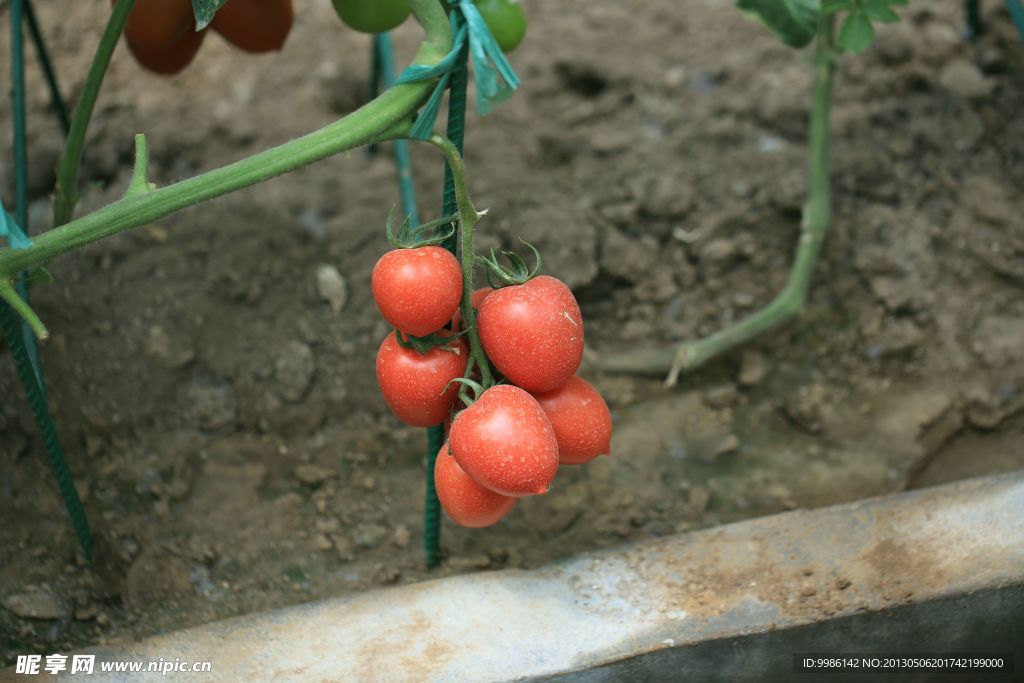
[373, 121]
[468, 217]
[790, 302]
[67, 169]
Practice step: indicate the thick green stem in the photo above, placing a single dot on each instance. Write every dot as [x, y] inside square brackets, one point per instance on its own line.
[67, 169]
[790, 302]
[468, 217]
[374, 121]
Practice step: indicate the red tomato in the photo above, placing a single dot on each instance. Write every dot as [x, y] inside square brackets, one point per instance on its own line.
[533, 333]
[505, 442]
[468, 503]
[413, 385]
[255, 25]
[167, 59]
[158, 23]
[417, 290]
[478, 298]
[580, 418]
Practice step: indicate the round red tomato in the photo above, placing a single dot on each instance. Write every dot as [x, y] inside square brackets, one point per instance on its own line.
[505, 442]
[478, 298]
[581, 420]
[417, 290]
[468, 503]
[413, 384]
[167, 59]
[533, 333]
[158, 23]
[255, 25]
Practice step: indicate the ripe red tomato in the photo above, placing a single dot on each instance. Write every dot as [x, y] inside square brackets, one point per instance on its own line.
[468, 503]
[533, 333]
[167, 59]
[505, 442]
[581, 420]
[413, 385]
[417, 290]
[158, 23]
[255, 25]
[478, 297]
[372, 16]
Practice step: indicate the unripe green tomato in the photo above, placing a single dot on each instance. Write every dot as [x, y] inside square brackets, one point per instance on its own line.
[506, 21]
[372, 16]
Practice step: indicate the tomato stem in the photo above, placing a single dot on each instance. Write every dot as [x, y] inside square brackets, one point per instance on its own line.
[66, 194]
[468, 217]
[790, 302]
[22, 308]
[376, 120]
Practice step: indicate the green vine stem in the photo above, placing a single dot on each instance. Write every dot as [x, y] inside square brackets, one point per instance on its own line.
[140, 172]
[468, 216]
[790, 302]
[22, 308]
[373, 122]
[67, 168]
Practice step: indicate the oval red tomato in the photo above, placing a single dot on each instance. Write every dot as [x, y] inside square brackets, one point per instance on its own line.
[468, 503]
[533, 333]
[255, 25]
[417, 290]
[158, 23]
[478, 298]
[167, 59]
[505, 442]
[581, 420]
[413, 384]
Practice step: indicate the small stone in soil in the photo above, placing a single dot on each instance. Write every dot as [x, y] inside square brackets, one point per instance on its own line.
[401, 536]
[752, 369]
[313, 475]
[35, 604]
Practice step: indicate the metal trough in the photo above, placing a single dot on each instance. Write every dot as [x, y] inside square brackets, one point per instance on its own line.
[936, 570]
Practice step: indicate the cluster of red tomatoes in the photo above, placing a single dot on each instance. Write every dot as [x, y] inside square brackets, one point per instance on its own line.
[162, 34]
[509, 442]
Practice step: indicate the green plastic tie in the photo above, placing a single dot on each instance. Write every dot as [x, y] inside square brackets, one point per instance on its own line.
[493, 75]
[1017, 15]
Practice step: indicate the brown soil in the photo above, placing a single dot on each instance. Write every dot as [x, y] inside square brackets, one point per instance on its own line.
[223, 422]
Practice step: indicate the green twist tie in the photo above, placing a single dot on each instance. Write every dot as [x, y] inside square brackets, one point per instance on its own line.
[9, 228]
[493, 76]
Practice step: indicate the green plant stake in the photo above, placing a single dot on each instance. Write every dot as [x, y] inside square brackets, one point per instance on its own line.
[21, 338]
[60, 107]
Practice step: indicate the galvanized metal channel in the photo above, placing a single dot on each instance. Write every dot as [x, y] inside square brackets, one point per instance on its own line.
[934, 570]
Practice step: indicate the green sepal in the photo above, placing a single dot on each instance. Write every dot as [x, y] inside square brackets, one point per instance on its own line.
[424, 345]
[518, 273]
[204, 11]
[857, 32]
[39, 276]
[424, 235]
[795, 22]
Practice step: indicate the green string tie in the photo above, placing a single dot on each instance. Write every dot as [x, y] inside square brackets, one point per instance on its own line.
[493, 76]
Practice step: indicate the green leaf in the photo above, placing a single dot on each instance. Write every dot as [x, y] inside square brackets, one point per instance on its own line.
[795, 22]
[39, 276]
[204, 11]
[857, 32]
[833, 6]
[879, 10]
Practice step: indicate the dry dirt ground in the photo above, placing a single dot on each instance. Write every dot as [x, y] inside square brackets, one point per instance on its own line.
[223, 422]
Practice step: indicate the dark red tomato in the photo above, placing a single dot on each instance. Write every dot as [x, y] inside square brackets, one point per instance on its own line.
[533, 333]
[468, 503]
[158, 23]
[478, 298]
[167, 59]
[581, 420]
[372, 16]
[505, 442]
[413, 384]
[417, 290]
[255, 25]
